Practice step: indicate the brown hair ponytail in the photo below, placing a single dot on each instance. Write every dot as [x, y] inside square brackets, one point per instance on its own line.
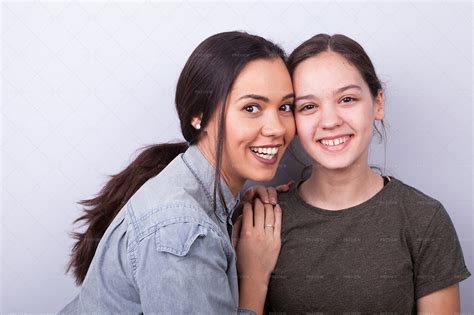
[103, 208]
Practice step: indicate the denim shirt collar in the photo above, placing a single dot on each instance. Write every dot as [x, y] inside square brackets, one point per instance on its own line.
[203, 170]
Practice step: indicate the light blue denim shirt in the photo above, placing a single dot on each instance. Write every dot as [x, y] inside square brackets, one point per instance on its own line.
[167, 251]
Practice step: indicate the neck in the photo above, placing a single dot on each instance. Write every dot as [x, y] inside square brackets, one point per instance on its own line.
[234, 183]
[340, 189]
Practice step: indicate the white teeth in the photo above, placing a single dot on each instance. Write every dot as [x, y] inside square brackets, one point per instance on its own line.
[265, 156]
[266, 153]
[335, 141]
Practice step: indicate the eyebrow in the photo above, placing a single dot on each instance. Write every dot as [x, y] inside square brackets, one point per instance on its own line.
[305, 97]
[340, 90]
[263, 98]
[347, 87]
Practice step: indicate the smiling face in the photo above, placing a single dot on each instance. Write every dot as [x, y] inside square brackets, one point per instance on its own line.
[259, 122]
[334, 111]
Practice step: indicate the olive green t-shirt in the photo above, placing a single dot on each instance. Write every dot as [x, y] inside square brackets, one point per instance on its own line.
[376, 257]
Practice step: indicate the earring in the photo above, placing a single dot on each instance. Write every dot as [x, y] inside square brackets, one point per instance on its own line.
[198, 126]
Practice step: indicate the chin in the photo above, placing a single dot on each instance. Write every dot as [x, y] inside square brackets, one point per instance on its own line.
[262, 176]
[333, 165]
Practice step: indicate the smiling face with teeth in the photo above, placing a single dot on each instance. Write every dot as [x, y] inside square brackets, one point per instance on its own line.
[259, 123]
[334, 111]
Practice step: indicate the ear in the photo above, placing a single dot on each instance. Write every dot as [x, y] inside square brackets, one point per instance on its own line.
[379, 105]
[196, 120]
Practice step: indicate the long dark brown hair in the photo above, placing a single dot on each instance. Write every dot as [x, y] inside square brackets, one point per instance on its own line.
[202, 88]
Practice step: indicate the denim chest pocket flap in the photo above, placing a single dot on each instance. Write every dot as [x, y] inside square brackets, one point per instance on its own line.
[177, 237]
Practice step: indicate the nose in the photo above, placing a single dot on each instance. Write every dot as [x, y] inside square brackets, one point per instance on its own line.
[329, 117]
[273, 126]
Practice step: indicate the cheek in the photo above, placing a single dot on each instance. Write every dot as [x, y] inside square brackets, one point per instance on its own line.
[362, 119]
[305, 126]
[240, 134]
[290, 127]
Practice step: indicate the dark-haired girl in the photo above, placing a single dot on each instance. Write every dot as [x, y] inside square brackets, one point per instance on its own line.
[354, 241]
[158, 236]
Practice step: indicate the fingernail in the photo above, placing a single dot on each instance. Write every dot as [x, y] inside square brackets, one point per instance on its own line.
[277, 208]
[274, 201]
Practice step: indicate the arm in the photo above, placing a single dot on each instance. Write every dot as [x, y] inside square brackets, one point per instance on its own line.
[439, 267]
[252, 294]
[257, 249]
[182, 268]
[444, 301]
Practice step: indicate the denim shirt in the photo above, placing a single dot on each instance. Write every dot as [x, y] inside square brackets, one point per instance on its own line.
[166, 251]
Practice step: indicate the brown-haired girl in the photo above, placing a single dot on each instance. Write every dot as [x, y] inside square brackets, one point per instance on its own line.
[354, 241]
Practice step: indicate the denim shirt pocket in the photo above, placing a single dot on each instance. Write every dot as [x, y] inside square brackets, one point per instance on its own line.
[176, 237]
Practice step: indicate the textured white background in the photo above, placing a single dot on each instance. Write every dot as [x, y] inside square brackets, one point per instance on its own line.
[84, 84]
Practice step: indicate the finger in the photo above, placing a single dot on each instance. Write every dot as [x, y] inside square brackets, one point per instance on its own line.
[262, 194]
[259, 214]
[283, 188]
[269, 219]
[247, 220]
[278, 217]
[236, 231]
[248, 195]
[272, 193]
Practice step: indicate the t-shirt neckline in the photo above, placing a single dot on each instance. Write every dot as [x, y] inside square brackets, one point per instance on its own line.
[370, 203]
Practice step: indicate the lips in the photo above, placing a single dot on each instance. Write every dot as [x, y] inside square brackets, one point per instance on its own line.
[335, 143]
[267, 154]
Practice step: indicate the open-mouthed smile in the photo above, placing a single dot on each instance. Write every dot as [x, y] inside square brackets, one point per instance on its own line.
[335, 143]
[267, 154]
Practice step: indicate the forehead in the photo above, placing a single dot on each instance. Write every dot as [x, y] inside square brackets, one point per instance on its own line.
[325, 72]
[263, 76]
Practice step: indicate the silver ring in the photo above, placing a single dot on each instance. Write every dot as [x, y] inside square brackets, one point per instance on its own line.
[268, 225]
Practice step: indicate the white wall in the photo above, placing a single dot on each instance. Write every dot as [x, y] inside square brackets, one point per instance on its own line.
[84, 84]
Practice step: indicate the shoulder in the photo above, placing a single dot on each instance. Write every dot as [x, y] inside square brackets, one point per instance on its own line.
[292, 208]
[289, 197]
[411, 195]
[419, 212]
[412, 201]
[171, 207]
[179, 228]
[172, 196]
[175, 218]
[162, 189]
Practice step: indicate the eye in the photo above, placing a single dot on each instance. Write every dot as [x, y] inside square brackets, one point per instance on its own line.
[253, 108]
[307, 107]
[347, 99]
[287, 107]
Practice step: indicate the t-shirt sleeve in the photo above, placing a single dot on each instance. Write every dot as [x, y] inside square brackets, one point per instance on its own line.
[439, 262]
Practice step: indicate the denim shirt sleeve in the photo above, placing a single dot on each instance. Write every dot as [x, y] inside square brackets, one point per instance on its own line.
[183, 268]
[108, 288]
[245, 311]
[178, 268]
